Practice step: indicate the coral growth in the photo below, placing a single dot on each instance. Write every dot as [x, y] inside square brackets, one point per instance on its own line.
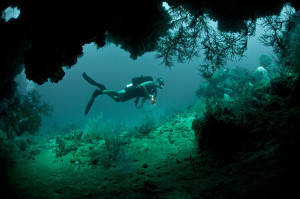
[258, 115]
[68, 143]
[100, 148]
[256, 136]
[228, 81]
[265, 61]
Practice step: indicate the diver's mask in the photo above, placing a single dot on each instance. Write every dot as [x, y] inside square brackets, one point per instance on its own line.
[160, 82]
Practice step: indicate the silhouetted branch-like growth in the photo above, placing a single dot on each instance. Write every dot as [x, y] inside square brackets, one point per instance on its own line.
[191, 35]
[280, 33]
[23, 113]
[275, 30]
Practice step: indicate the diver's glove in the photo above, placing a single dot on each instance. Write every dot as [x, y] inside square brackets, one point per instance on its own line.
[152, 99]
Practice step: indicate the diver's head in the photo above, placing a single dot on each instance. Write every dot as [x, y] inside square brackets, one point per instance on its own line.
[160, 82]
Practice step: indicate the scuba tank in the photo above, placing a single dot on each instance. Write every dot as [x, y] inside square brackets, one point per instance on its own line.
[138, 80]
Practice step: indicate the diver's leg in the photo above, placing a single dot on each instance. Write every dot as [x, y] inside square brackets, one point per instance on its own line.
[91, 81]
[115, 95]
[91, 101]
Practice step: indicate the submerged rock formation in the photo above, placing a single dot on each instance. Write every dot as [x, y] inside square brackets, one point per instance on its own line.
[44, 39]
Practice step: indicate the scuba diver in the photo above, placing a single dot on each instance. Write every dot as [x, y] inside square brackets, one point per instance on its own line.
[143, 86]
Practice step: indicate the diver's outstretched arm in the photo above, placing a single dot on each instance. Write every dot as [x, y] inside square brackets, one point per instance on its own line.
[93, 82]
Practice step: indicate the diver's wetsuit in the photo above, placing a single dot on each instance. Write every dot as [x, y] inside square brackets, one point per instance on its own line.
[134, 91]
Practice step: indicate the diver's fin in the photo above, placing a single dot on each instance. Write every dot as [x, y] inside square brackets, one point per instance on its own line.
[91, 81]
[91, 101]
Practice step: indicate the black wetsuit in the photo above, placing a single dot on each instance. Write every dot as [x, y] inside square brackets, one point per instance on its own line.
[134, 91]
